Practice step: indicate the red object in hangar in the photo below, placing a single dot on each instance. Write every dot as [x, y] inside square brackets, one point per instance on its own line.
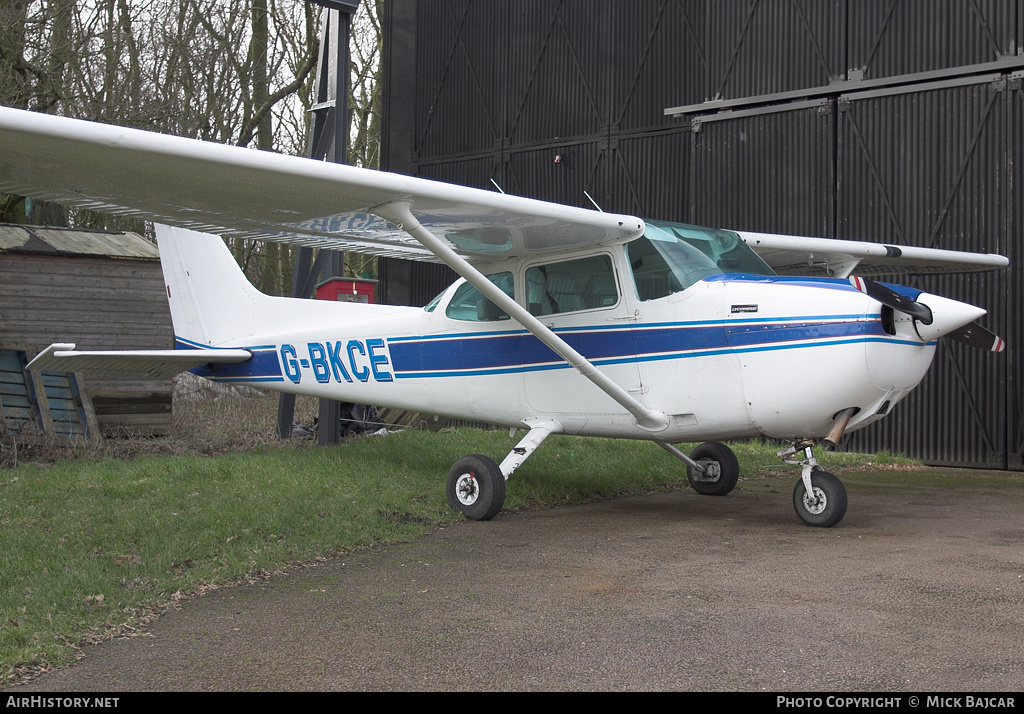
[347, 290]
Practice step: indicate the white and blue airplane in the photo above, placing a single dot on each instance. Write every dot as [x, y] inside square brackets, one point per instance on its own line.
[566, 320]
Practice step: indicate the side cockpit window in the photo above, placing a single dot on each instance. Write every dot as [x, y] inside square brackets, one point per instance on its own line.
[662, 269]
[570, 286]
[671, 257]
[469, 304]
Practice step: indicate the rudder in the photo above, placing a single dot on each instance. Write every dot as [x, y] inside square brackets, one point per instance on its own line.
[212, 303]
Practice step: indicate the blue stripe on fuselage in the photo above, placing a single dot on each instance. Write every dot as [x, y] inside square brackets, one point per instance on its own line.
[806, 281]
[512, 352]
[263, 367]
[516, 350]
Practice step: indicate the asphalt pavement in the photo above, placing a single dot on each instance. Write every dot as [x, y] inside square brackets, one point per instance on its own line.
[919, 588]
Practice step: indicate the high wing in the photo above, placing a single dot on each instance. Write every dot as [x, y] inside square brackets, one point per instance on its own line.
[233, 191]
[800, 255]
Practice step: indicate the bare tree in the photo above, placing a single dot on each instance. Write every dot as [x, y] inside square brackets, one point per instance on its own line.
[230, 71]
[365, 84]
[220, 70]
[16, 79]
[365, 99]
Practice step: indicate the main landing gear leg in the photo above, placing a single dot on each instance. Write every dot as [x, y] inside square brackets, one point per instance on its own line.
[712, 469]
[819, 497]
[476, 484]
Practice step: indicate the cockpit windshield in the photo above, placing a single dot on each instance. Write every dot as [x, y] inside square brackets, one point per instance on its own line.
[671, 257]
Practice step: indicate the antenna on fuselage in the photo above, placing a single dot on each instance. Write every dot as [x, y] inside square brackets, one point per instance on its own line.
[593, 201]
[497, 187]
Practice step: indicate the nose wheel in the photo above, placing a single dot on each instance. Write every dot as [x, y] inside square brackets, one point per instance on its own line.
[819, 496]
[825, 504]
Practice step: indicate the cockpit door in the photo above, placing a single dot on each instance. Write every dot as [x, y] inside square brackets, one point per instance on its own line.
[581, 300]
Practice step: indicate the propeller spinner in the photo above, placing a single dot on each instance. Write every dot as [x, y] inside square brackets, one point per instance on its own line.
[935, 316]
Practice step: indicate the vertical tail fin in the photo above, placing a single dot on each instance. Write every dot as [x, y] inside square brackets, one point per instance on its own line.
[212, 303]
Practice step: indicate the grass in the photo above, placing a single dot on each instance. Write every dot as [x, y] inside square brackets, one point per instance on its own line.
[98, 539]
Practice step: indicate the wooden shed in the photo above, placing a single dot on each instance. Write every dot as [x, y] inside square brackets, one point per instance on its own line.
[100, 290]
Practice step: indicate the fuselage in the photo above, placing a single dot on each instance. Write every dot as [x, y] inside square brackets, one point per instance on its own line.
[722, 354]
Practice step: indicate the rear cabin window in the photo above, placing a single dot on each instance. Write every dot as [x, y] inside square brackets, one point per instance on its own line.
[572, 285]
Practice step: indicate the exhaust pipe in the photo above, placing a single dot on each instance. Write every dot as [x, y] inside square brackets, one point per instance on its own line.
[836, 435]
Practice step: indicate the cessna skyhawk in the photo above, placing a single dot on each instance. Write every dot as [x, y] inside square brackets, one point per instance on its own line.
[565, 320]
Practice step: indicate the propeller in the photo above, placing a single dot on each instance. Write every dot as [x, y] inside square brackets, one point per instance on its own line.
[888, 296]
[939, 317]
[977, 336]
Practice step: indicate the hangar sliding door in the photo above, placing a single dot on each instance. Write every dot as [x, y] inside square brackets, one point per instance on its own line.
[1012, 303]
[927, 165]
[768, 170]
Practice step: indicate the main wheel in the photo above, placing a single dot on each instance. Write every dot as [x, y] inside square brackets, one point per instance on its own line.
[723, 470]
[827, 507]
[476, 487]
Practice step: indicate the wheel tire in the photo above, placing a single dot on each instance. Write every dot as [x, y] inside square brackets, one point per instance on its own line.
[832, 500]
[476, 487]
[728, 469]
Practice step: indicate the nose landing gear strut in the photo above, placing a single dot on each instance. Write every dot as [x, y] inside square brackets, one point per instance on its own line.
[819, 497]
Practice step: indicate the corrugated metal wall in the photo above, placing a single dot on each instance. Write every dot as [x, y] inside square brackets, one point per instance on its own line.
[1012, 303]
[894, 120]
[937, 178]
[894, 37]
[763, 47]
[778, 168]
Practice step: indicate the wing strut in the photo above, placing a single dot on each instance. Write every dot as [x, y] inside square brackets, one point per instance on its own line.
[400, 213]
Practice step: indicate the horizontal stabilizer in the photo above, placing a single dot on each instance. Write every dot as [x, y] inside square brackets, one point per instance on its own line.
[147, 364]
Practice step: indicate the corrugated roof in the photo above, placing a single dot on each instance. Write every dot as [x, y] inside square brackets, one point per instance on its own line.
[75, 241]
